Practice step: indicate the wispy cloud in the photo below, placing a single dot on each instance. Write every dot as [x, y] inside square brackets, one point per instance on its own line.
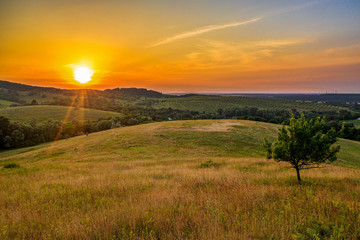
[354, 48]
[220, 54]
[210, 28]
[202, 30]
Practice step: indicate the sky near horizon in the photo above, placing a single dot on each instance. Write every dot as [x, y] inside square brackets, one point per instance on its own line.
[184, 46]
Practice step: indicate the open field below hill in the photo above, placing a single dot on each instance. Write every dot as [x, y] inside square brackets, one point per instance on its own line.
[45, 112]
[355, 122]
[213, 103]
[5, 104]
[154, 181]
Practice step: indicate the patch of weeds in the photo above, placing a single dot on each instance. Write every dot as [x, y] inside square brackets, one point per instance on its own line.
[317, 229]
[312, 229]
[209, 164]
[11, 165]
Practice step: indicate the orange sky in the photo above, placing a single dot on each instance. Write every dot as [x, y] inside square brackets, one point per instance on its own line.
[184, 46]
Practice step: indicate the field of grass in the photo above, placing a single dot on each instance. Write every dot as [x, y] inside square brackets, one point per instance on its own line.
[203, 179]
[5, 104]
[44, 112]
[213, 103]
[355, 122]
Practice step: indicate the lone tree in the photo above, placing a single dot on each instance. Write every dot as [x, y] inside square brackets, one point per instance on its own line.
[304, 144]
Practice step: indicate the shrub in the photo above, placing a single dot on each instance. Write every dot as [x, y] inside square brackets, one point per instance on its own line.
[132, 121]
[11, 165]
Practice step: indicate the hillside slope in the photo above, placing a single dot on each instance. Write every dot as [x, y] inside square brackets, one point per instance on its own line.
[5, 104]
[46, 112]
[153, 181]
[178, 139]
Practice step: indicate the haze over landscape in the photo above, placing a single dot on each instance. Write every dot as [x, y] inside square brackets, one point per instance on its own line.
[184, 46]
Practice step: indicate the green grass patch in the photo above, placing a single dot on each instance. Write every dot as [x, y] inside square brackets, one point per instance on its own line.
[210, 164]
[213, 103]
[5, 104]
[11, 165]
[355, 122]
[41, 113]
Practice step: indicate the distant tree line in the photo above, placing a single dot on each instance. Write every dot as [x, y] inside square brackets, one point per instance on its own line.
[333, 119]
[14, 135]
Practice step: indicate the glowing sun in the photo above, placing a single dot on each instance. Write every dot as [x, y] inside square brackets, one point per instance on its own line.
[83, 74]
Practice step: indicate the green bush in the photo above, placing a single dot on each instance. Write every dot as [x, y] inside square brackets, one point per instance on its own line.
[132, 121]
[11, 165]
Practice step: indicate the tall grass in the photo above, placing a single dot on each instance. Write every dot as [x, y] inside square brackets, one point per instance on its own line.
[145, 182]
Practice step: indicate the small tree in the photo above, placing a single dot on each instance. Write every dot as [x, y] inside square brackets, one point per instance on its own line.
[303, 144]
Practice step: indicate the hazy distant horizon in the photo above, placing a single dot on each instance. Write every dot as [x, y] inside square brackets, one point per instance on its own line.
[194, 92]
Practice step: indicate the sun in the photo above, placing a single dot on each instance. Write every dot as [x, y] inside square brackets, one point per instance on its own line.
[83, 74]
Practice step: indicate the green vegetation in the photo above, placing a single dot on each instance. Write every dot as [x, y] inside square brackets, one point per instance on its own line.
[209, 164]
[41, 113]
[213, 103]
[144, 182]
[355, 122]
[304, 144]
[11, 165]
[5, 104]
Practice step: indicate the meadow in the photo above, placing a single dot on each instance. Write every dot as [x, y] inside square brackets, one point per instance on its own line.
[40, 113]
[205, 179]
[355, 122]
[5, 104]
[213, 103]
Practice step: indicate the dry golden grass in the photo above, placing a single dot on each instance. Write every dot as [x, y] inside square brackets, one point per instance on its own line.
[145, 182]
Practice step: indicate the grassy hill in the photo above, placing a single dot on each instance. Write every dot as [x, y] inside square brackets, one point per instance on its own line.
[5, 104]
[44, 112]
[25, 94]
[213, 103]
[154, 181]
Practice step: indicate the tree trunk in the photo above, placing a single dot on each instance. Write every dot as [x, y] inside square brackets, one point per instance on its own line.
[298, 175]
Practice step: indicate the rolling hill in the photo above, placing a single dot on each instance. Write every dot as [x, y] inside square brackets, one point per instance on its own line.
[107, 99]
[45, 112]
[203, 179]
[213, 103]
[24, 94]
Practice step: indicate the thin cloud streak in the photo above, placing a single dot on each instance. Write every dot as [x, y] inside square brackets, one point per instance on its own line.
[229, 25]
[203, 30]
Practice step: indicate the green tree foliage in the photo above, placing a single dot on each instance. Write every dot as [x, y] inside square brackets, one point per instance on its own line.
[34, 102]
[304, 144]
